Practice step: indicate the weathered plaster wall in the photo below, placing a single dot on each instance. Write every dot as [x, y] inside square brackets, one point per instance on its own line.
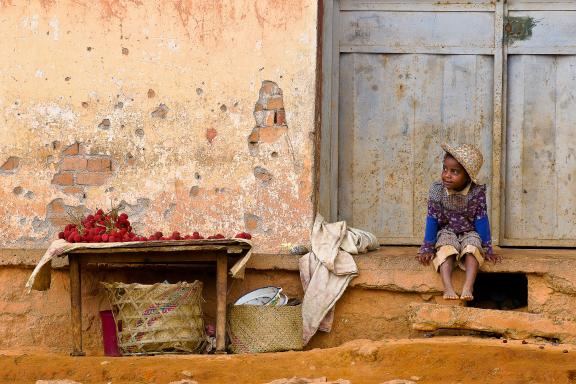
[154, 104]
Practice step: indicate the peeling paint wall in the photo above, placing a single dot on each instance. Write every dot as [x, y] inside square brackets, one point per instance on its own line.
[195, 115]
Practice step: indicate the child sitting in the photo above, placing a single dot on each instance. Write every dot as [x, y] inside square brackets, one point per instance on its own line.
[457, 226]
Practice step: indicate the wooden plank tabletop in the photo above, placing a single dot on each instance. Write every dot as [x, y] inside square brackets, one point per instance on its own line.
[230, 245]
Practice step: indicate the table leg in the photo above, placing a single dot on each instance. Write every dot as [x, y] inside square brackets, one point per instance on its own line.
[221, 287]
[76, 305]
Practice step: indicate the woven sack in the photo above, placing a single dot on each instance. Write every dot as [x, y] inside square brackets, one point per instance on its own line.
[257, 328]
[158, 318]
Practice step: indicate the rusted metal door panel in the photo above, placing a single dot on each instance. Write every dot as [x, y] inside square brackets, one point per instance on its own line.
[542, 32]
[539, 207]
[417, 32]
[394, 111]
[541, 150]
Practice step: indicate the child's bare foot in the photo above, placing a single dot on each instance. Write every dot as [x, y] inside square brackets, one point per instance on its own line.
[466, 294]
[449, 294]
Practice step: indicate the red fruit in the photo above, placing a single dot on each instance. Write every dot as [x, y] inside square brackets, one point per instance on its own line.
[219, 236]
[158, 234]
[123, 216]
[105, 237]
[77, 238]
[100, 212]
[187, 237]
[164, 238]
[61, 235]
[176, 235]
[97, 239]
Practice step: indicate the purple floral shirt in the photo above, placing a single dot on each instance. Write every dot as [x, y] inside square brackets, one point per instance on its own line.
[458, 213]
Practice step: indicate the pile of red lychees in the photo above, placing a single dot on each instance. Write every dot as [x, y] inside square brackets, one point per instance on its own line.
[111, 227]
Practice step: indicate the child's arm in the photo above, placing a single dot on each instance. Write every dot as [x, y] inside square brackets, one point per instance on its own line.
[430, 234]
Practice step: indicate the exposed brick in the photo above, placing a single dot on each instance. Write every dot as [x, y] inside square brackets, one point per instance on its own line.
[275, 103]
[267, 87]
[73, 164]
[254, 136]
[72, 150]
[56, 208]
[271, 134]
[258, 107]
[270, 88]
[262, 174]
[73, 190]
[64, 178]
[211, 133]
[92, 178]
[280, 117]
[270, 118]
[10, 164]
[264, 117]
[99, 165]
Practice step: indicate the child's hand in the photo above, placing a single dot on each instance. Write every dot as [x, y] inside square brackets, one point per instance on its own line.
[494, 258]
[425, 258]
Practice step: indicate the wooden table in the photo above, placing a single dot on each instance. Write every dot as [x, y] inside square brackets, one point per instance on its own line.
[219, 252]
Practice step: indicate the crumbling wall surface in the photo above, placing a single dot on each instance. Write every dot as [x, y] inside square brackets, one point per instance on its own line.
[194, 114]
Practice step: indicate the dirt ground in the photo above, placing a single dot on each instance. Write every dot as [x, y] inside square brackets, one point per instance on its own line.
[435, 360]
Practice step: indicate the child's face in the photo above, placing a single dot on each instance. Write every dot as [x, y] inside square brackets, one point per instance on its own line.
[453, 174]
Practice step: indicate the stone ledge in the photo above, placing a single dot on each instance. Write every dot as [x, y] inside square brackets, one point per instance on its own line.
[392, 268]
[513, 324]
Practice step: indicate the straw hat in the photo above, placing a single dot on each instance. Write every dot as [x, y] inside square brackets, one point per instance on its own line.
[468, 156]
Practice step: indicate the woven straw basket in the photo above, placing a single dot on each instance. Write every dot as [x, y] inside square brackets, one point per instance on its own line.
[256, 328]
[158, 318]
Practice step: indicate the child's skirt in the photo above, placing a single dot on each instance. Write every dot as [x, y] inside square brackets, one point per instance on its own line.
[449, 244]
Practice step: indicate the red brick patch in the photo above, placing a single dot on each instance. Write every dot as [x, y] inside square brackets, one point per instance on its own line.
[73, 164]
[64, 178]
[92, 178]
[10, 164]
[99, 165]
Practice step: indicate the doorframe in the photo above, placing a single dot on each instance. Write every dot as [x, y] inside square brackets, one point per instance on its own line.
[328, 159]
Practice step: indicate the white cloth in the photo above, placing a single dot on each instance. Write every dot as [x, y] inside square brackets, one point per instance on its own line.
[327, 270]
[40, 278]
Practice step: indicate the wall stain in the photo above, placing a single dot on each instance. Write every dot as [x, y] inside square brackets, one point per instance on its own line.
[277, 13]
[116, 8]
[194, 14]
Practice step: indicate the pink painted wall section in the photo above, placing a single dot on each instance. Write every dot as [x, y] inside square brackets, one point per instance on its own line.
[195, 115]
